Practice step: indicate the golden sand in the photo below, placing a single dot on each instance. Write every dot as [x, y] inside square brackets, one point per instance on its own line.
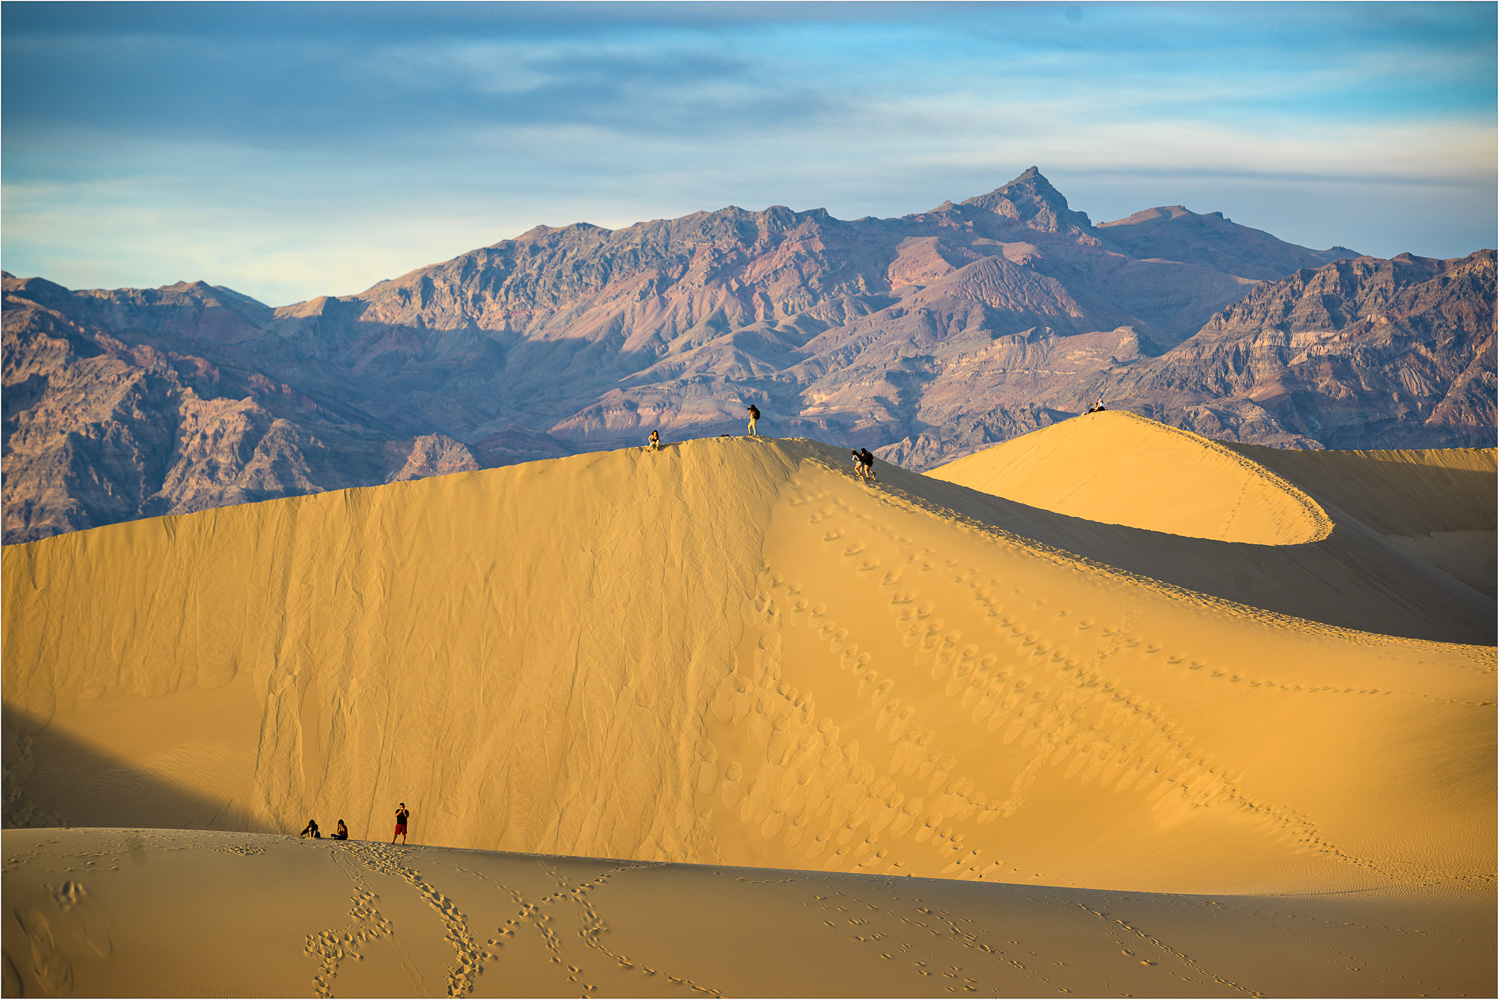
[1167, 480]
[734, 653]
[147, 912]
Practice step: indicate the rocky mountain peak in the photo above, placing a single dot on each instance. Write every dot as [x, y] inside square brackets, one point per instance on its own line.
[1174, 232]
[1032, 201]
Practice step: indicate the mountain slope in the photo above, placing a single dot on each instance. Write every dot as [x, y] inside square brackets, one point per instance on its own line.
[1397, 352]
[98, 430]
[1174, 233]
[924, 338]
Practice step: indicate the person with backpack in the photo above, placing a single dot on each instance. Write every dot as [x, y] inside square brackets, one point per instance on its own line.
[866, 463]
[754, 414]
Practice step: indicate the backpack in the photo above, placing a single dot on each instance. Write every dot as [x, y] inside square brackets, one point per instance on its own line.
[754, 411]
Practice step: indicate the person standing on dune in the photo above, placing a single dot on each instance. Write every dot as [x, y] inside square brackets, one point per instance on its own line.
[754, 414]
[402, 816]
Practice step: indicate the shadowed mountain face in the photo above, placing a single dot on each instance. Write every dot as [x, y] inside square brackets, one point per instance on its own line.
[924, 338]
[100, 429]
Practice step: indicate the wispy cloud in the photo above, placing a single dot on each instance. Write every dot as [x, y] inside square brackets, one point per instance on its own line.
[291, 150]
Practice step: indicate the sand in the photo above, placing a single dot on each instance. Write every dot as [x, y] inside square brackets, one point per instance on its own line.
[231, 914]
[1043, 707]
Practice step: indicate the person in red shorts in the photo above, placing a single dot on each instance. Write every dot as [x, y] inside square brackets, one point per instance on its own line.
[402, 815]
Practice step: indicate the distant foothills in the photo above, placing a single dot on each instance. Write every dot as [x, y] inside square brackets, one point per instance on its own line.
[923, 338]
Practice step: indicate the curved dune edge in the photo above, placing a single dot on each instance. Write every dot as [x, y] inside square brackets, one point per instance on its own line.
[1399, 491]
[1440, 505]
[731, 652]
[159, 912]
[1117, 467]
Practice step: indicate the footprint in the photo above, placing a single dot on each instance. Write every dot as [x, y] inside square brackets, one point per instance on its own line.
[733, 784]
[707, 768]
[902, 722]
[723, 698]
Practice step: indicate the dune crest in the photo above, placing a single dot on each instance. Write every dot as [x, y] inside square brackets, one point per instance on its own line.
[1120, 468]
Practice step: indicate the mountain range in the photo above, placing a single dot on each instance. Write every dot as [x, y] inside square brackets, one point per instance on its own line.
[923, 338]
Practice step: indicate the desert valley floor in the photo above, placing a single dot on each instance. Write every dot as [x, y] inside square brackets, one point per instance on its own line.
[1109, 709]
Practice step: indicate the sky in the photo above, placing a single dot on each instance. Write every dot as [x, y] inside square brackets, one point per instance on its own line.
[293, 150]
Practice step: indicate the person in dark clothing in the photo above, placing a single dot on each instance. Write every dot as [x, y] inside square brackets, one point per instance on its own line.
[402, 815]
[311, 830]
[342, 833]
[655, 440]
[866, 463]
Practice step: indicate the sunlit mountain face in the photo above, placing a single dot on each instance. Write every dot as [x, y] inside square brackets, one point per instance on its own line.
[923, 338]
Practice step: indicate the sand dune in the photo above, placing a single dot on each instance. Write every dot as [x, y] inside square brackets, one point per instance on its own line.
[1386, 542]
[255, 914]
[732, 652]
[1439, 506]
[1167, 479]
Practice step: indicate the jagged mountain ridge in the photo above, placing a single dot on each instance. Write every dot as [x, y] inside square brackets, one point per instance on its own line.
[98, 430]
[924, 337]
[1399, 351]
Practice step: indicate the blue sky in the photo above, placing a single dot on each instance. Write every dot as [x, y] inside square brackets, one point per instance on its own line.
[293, 150]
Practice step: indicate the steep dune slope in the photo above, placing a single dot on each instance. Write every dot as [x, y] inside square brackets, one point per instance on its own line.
[495, 637]
[733, 652]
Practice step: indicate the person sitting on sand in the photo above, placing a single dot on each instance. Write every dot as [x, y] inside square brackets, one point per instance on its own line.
[866, 462]
[342, 833]
[754, 414]
[655, 440]
[311, 830]
[1096, 407]
[402, 815]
